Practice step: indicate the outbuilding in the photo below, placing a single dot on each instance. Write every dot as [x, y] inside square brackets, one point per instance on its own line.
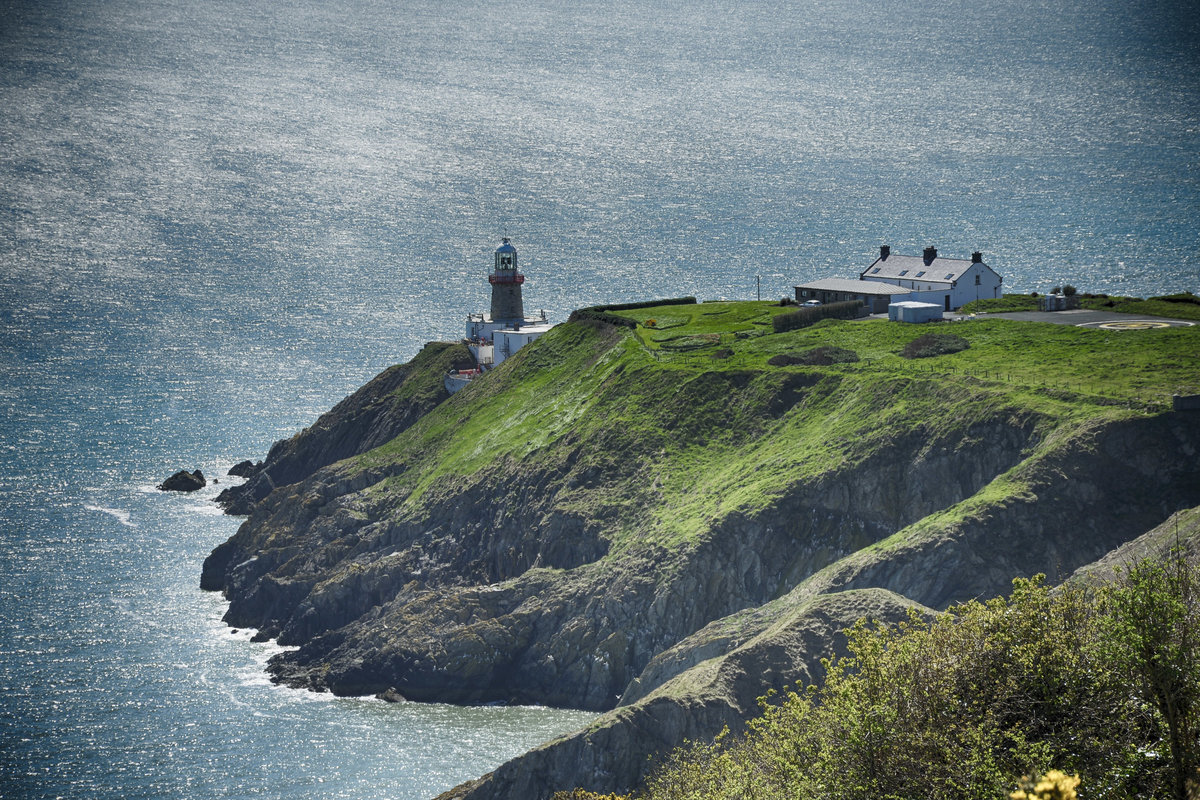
[875, 296]
[914, 311]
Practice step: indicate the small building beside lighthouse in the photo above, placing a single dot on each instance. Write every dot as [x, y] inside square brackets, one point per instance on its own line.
[496, 335]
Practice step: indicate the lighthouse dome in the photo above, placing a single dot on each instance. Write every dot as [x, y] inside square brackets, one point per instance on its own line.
[506, 256]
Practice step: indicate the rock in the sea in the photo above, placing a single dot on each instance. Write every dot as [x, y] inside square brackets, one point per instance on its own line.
[183, 481]
[244, 469]
[391, 696]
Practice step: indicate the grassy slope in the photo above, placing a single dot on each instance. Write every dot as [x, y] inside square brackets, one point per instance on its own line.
[693, 412]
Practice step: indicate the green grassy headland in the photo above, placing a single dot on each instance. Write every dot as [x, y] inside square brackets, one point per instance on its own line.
[710, 428]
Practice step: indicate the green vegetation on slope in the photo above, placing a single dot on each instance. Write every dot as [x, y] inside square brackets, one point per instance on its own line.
[698, 413]
[566, 529]
[1103, 683]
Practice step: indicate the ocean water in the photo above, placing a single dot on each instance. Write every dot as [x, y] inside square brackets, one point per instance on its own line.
[217, 219]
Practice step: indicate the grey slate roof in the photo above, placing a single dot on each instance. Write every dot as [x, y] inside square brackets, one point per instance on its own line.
[914, 268]
[853, 286]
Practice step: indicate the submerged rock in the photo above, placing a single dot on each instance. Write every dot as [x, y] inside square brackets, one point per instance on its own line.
[391, 696]
[183, 481]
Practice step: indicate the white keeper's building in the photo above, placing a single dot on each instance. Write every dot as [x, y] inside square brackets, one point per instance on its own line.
[949, 283]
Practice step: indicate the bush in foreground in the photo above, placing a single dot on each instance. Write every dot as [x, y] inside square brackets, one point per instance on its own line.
[1100, 687]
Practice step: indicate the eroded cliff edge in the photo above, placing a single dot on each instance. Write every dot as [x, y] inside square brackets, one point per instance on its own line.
[599, 526]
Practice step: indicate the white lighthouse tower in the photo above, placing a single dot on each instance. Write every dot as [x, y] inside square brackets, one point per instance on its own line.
[495, 336]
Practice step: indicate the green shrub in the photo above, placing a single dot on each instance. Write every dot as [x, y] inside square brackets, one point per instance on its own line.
[934, 344]
[998, 305]
[1181, 297]
[673, 301]
[602, 313]
[961, 706]
[593, 315]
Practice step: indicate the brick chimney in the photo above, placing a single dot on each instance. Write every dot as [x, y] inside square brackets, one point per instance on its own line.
[977, 257]
[930, 255]
[884, 252]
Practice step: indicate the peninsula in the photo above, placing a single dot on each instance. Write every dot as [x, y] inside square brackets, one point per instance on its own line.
[663, 511]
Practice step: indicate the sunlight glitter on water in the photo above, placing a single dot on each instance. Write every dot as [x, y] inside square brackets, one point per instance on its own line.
[219, 219]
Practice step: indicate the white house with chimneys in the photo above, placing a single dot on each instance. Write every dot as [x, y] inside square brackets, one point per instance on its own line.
[948, 282]
[496, 335]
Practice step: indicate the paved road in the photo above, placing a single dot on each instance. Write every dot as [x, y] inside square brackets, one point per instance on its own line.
[1084, 316]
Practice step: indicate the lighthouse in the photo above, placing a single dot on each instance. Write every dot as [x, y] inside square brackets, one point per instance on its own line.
[506, 282]
[495, 336]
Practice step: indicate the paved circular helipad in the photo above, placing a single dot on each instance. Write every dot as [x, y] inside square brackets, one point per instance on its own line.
[1136, 324]
[1095, 320]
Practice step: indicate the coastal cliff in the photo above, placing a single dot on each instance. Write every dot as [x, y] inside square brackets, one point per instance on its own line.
[657, 523]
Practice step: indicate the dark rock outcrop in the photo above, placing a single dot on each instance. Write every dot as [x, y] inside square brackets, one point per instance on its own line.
[184, 481]
[1103, 487]
[244, 469]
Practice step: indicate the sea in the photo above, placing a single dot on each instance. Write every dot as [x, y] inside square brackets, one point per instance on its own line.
[218, 218]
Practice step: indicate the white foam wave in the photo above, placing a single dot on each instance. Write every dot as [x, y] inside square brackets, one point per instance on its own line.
[119, 514]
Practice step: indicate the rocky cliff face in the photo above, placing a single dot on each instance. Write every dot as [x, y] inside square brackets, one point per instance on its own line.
[556, 556]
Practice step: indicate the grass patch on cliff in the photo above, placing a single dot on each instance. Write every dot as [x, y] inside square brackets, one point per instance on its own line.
[664, 444]
[1092, 366]
[1184, 305]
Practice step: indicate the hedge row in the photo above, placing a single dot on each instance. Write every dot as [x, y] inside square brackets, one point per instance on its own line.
[581, 314]
[803, 317]
[601, 313]
[673, 301]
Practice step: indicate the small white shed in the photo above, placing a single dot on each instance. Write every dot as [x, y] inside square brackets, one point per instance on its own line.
[913, 311]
